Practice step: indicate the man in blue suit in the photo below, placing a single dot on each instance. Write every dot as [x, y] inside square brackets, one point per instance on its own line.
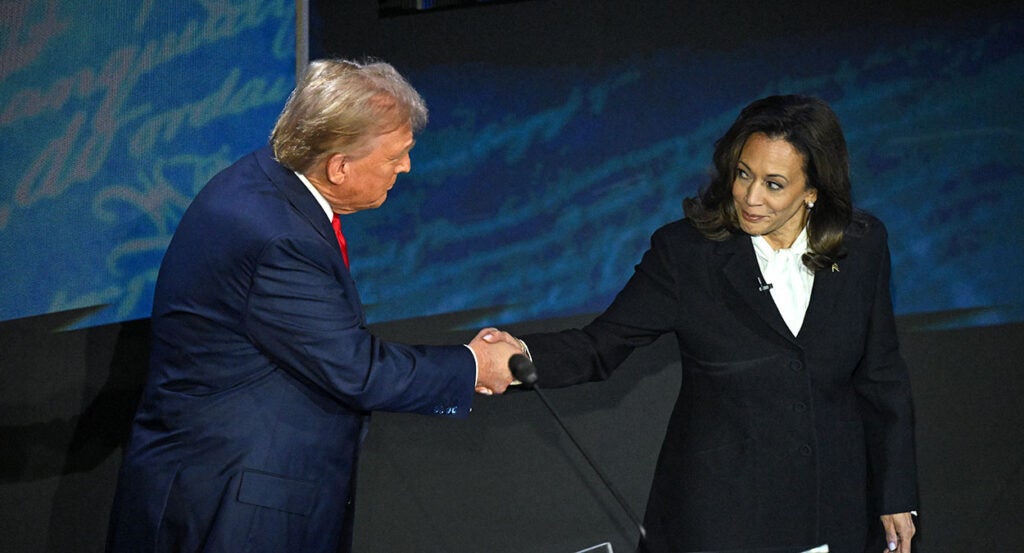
[263, 373]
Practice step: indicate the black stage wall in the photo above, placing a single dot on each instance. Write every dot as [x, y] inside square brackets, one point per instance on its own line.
[505, 480]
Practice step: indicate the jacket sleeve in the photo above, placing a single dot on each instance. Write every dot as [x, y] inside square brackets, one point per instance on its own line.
[642, 311]
[297, 314]
[883, 385]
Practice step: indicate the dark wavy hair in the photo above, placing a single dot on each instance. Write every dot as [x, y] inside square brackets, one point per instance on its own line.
[813, 129]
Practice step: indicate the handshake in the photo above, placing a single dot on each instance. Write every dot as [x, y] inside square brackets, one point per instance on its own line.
[493, 349]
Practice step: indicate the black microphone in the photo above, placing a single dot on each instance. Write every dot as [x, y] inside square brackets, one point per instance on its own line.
[526, 372]
[523, 370]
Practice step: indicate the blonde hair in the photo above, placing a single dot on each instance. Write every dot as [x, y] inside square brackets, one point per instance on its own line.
[338, 107]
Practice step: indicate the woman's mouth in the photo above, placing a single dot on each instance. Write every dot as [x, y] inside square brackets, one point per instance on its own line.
[751, 218]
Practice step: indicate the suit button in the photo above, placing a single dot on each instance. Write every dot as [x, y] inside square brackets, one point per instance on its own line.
[805, 450]
[796, 366]
[799, 407]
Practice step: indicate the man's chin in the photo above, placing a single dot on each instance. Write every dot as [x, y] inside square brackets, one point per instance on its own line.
[379, 202]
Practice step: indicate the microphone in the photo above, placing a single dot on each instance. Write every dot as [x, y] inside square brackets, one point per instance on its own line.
[523, 370]
[526, 372]
[762, 285]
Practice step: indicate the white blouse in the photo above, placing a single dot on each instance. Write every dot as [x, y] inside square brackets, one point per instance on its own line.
[791, 281]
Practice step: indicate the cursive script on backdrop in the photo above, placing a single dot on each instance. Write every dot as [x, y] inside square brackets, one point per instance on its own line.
[110, 124]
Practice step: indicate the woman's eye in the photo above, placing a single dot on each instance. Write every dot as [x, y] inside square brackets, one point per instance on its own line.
[742, 174]
[773, 185]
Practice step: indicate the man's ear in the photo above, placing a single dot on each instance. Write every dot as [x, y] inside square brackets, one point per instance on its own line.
[337, 168]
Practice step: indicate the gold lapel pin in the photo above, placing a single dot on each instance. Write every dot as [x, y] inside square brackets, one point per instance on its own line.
[835, 267]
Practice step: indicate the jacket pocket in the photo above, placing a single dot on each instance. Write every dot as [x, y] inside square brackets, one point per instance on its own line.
[277, 492]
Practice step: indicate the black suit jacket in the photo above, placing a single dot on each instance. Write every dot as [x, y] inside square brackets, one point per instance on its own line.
[775, 439]
[262, 379]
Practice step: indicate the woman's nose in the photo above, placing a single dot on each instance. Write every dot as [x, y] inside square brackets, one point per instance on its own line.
[753, 195]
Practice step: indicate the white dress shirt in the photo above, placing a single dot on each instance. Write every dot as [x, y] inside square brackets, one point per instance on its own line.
[320, 199]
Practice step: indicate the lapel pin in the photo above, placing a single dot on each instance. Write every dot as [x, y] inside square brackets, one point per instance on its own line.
[835, 267]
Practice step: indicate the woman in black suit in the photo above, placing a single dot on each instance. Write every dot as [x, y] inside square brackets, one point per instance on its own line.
[794, 422]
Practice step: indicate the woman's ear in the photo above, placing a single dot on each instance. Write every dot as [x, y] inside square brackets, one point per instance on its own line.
[811, 196]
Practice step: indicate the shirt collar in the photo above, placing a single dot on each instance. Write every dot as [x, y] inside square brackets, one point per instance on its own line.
[320, 199]
[765, 252]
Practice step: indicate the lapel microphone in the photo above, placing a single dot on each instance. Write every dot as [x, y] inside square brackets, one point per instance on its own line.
[762, 285]
[526, 372]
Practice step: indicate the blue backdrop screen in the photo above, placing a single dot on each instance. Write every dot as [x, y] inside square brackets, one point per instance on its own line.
[553, 176]
[535, 187]
[113, 115]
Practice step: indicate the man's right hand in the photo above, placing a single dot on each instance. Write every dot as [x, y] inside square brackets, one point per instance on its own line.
[493, 348]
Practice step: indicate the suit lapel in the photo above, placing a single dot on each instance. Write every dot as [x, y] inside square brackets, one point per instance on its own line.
[296, 193]
[739, 265]
[304, 203]
[828, 284]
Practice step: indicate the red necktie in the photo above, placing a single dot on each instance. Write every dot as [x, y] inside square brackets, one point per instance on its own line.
[336, 223]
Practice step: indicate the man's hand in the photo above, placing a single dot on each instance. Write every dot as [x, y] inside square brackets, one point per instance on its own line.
[493, 348]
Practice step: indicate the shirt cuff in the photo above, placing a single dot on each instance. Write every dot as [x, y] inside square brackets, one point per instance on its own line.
[476, 365]
[526, 349]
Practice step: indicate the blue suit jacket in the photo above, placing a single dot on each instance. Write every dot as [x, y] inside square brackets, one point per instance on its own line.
[262, 378]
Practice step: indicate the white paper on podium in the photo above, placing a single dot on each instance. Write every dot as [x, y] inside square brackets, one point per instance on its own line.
[607, 548]
[599, 548]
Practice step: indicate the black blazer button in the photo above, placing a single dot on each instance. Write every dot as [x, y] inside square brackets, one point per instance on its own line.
[805, 450]
[799, 407]
[796, 366]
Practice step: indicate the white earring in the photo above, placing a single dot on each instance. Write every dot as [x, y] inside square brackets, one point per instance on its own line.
[810, 205]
